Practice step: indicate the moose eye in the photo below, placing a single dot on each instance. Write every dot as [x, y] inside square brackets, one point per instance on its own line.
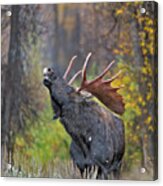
[49, 69]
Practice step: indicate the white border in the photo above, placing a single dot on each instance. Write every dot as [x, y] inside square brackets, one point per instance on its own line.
[40, 182]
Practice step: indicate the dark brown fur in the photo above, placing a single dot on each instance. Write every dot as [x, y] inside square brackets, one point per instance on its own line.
[97, 134]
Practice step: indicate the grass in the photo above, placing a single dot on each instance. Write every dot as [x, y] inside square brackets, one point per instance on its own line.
[43, 151]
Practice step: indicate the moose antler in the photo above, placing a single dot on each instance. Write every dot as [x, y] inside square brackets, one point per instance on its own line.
[102, 89]
[99, 87]
[68, 70]
[69, 67]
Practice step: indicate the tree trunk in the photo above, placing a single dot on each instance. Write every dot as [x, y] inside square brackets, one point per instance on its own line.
[12, 83]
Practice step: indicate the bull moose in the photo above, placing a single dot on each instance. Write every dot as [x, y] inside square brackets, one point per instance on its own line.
[98, 143]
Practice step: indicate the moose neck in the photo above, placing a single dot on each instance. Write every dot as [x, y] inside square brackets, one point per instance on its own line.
[60, 96]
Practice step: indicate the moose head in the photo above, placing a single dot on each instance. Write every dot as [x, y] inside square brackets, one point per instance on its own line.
[99, 87]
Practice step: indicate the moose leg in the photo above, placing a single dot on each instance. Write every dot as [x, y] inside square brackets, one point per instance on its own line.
[116, 174]
[101, 175]
[94, 172]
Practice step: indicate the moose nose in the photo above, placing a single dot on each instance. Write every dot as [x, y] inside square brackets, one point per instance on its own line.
[47, 82]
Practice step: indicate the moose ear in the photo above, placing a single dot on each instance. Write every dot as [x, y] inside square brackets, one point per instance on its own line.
[69, 89]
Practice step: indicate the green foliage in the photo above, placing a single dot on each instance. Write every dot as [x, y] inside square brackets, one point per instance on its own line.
[138, 85]
[44, 141]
